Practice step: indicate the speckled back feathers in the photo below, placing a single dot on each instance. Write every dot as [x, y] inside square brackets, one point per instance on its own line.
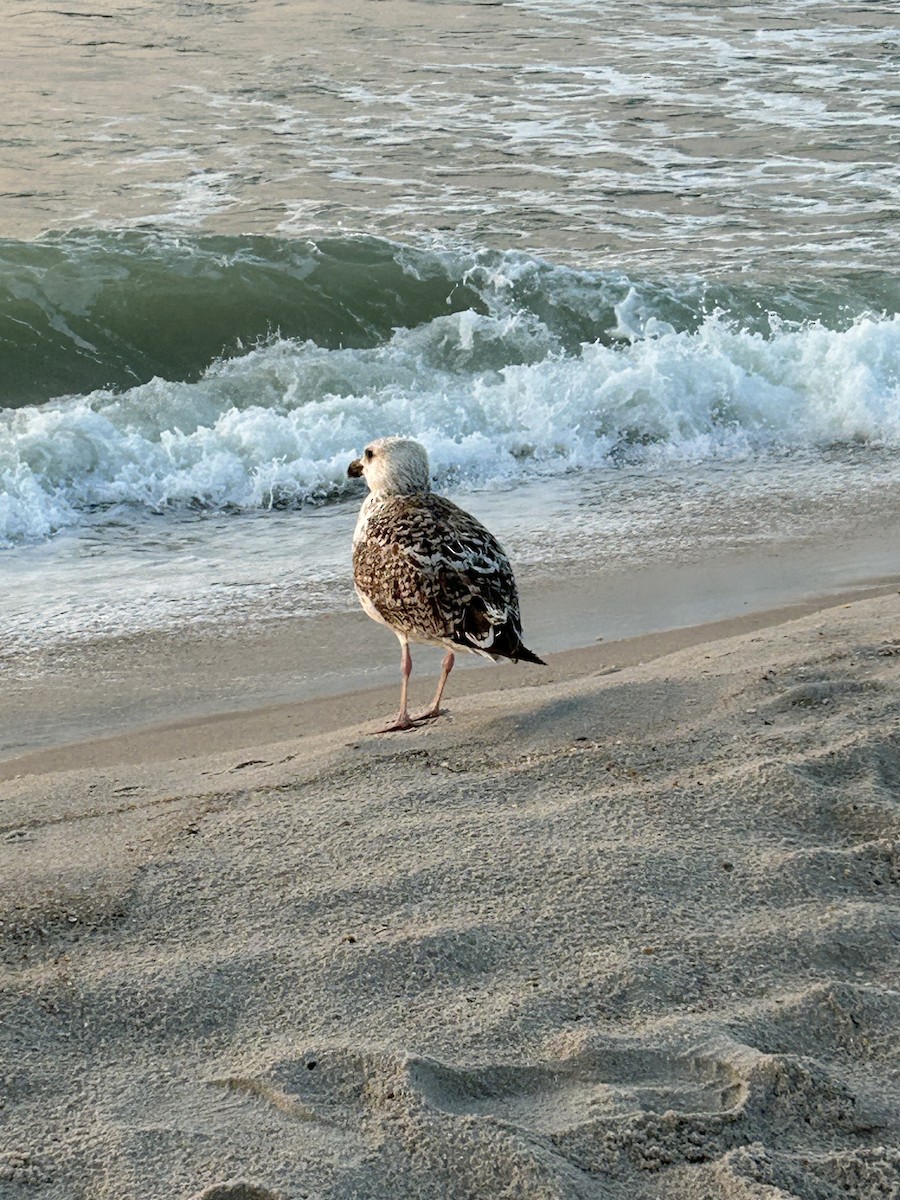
[427, 568]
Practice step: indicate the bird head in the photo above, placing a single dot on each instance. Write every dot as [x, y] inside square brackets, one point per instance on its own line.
[393, 466]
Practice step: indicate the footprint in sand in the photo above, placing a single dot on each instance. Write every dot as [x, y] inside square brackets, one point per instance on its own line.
[618, 1108]
[610, 1084]
[234, 1189]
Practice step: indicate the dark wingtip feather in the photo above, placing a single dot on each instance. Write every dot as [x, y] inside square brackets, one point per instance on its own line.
[523, 654]
[505, 645]
[508, 644]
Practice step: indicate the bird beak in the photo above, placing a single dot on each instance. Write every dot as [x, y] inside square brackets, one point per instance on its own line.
[355, 469]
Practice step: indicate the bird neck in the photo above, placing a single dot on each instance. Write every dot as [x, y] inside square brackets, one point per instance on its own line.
[397, 488]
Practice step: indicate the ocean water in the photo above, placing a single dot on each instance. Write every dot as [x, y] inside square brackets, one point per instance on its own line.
[628, 270]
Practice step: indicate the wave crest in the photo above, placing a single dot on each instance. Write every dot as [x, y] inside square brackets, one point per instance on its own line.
[494, 397]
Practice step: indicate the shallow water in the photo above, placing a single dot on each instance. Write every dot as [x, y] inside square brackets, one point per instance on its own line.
[210, 570]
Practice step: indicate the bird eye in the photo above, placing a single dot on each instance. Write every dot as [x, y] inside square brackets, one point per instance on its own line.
[369, 456]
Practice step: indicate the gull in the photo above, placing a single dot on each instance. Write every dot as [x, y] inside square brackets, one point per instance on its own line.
[428, 570]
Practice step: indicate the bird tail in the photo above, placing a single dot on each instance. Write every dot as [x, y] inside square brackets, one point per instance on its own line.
[480, 633]
[523, 654]
[508, 644]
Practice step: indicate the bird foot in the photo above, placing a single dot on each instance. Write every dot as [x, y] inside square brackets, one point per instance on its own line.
[430, 714]
[403, 721]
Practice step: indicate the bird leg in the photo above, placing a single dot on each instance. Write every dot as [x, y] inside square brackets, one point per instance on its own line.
[435, 711]
[403, 720]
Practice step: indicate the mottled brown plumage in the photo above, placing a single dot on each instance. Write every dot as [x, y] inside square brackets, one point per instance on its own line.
[428, 569]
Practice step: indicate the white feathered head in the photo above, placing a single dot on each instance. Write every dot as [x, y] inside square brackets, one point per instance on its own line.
[393, 466]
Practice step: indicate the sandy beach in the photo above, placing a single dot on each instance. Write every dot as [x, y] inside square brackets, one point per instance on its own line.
[623, 929]
[620, 927]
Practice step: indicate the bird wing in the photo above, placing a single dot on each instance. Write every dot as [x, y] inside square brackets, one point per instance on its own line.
[433, 571]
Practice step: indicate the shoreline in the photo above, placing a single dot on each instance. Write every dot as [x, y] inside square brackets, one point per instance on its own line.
[202, 734]
[67, 676]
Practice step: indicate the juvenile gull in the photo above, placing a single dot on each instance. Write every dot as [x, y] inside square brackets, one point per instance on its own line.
[428, 570]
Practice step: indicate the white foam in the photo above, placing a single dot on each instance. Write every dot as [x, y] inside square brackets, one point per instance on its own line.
[493, 397]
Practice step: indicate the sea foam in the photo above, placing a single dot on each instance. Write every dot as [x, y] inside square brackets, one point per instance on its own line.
[494, 398]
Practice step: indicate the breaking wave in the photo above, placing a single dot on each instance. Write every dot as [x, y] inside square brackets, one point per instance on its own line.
[245, 372]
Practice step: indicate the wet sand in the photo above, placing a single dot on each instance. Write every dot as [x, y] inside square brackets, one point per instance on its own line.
[221, 680]
[624, 929]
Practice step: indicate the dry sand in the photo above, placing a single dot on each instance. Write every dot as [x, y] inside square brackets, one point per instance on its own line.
[625, 934]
